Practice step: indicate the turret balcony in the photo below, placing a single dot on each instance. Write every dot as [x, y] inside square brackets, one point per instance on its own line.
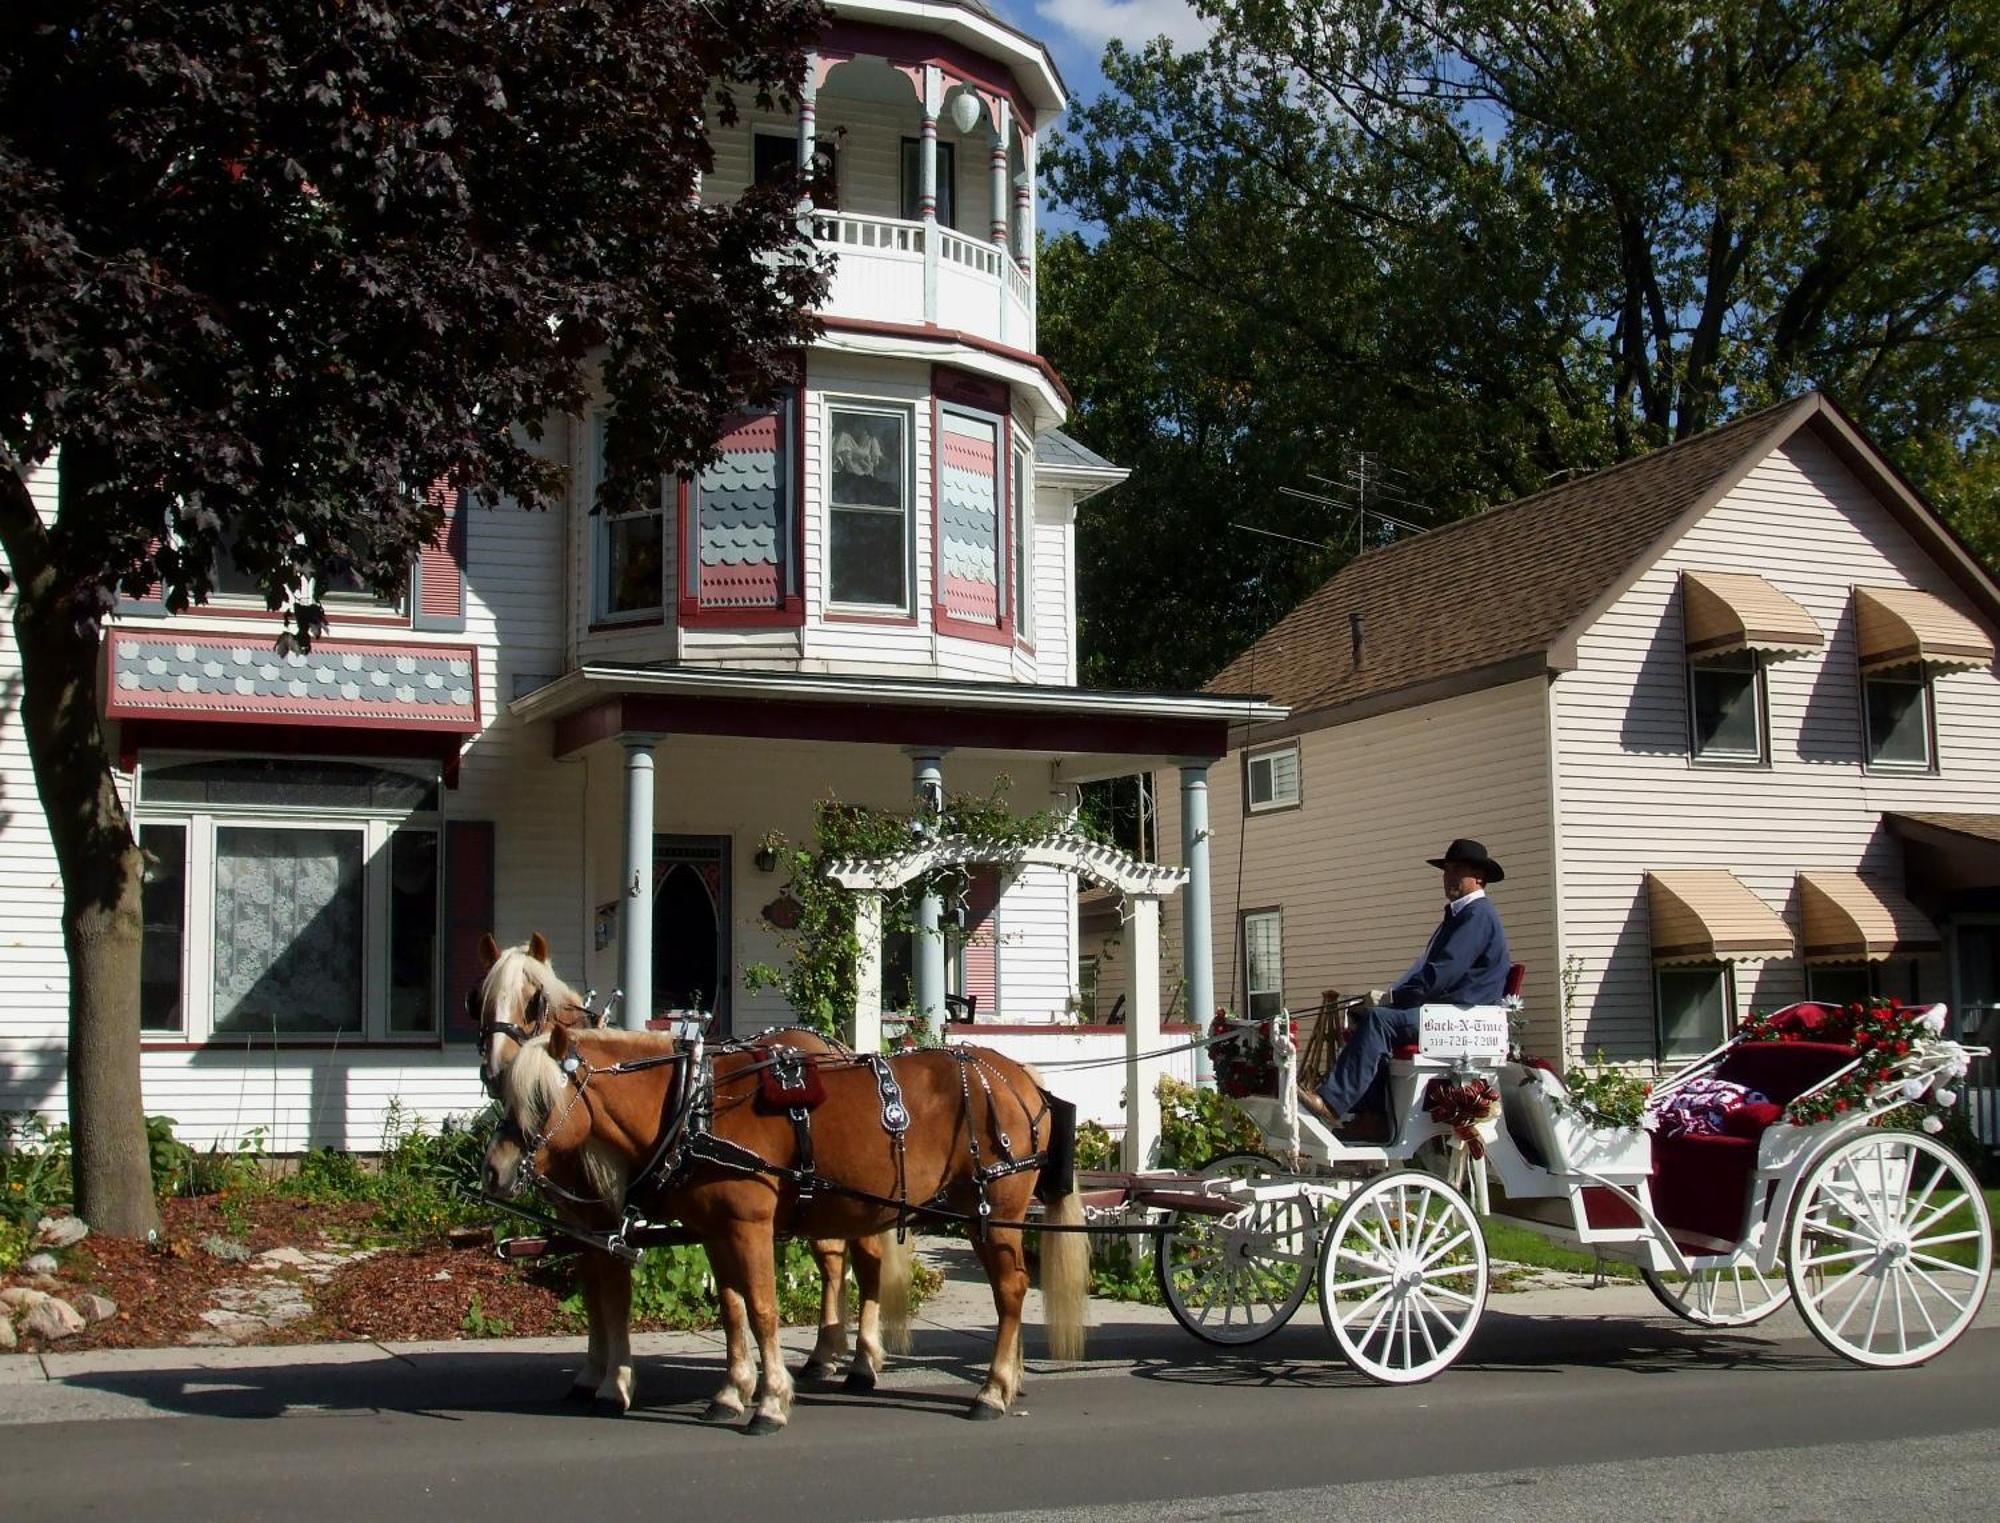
[903, 273]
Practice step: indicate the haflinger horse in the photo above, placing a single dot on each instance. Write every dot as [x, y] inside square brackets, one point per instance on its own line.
[960, 1133]
[521, 998]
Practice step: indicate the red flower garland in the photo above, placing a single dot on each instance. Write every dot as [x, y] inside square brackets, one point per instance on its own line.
[1881, 1032]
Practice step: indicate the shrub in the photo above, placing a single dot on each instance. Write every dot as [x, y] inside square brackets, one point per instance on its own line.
[34, 1167]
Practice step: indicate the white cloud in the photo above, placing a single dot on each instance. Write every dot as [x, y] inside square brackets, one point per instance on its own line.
[1133, 22]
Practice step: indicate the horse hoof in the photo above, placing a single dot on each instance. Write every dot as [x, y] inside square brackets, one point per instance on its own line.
[606, 1406]
[717, 1412]
[760, 1425]
[814, 1369]
[983, 1412]
[861, 1382]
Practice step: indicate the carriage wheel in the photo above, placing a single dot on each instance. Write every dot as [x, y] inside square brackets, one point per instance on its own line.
[1235, 1280]
[1402, 1277]
[1889, 1249]
[1721, 1290]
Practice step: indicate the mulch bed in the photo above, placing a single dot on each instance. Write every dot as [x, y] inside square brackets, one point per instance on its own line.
[401, 1293]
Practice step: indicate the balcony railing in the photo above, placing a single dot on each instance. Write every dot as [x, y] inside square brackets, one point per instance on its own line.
[890, 270]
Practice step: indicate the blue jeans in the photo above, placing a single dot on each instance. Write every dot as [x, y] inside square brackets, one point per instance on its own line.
[1360, 1078]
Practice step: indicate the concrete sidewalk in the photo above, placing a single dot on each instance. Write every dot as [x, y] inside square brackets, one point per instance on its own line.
[1570, 1322]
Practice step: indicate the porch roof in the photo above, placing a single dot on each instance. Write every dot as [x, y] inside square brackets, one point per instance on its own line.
[1094, 733]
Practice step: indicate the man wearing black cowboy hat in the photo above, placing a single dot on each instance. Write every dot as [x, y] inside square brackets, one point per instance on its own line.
[1465, 963]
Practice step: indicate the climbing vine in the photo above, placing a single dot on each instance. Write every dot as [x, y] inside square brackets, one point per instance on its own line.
[820, 946]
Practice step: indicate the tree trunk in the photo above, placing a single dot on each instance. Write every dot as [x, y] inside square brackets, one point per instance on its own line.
[101, 874]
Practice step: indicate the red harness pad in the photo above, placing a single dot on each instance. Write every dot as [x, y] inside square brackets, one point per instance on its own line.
[775, 1094]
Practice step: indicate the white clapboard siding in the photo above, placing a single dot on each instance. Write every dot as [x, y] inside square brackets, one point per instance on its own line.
[1082, 1066]
[1037, 955]
[1054, 637]
[1347, 868]
[1629, 798]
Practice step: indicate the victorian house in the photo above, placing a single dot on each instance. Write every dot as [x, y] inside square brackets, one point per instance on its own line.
[588, 725]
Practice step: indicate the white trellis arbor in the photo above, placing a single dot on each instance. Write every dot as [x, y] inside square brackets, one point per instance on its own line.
[1143, 885]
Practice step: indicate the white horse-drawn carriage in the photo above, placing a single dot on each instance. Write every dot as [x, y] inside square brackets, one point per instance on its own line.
[1880, 1235]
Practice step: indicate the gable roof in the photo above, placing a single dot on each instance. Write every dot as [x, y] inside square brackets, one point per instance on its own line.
[1553, 562]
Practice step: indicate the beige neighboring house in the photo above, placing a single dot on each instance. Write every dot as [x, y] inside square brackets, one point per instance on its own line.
[1727, 714]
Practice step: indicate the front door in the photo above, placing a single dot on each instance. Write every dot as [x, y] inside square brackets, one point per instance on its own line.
[691, 955]
[1975, 1005]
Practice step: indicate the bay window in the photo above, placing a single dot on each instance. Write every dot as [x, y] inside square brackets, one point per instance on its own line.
[972, 560]
[289, 899]
[1024, 542]
[630, 555]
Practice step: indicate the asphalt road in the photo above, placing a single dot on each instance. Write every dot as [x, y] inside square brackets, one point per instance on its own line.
[1544, 1419]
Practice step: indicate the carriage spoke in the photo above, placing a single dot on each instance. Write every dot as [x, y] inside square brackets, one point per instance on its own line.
[1944, 1293]
[1956, 1203]
[1817, 1260]
[1450, 1247]
[1937, 1263]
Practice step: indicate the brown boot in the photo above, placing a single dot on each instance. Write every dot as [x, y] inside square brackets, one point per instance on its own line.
[1312, 1105]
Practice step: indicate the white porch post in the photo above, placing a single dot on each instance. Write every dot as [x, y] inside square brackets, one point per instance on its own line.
[1197, 931]
[635, 927]
[866, 1036]
[808, 140]
[1142, 1033]
[1024, 207]
[999, 173]
[928, 963]
[927, 160]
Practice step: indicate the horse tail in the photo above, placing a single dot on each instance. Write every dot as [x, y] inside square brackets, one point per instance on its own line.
[895, 1297]
[1065, 1275]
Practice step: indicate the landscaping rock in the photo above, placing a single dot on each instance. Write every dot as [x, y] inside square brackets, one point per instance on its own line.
[52, 1319]
[60, 1231]
[227, 1321]
[216, 1246]
[291, 1258]
[21, 1297]
[97, 1308]
[7, 1337]
[40, 1263]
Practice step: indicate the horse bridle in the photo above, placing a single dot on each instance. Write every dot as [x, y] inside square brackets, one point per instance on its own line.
[539, 1020]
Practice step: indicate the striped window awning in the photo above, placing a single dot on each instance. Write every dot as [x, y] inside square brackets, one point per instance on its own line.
[1849, 918]
[1899, 626]
[1731, 611]
[1705, 914]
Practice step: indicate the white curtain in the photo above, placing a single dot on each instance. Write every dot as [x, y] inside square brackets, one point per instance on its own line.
[288, 929]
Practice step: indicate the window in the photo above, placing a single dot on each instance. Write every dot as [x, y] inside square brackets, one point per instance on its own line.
[774, 158]
[1274, 779]
[1263, 963]
[1839, 984]
[1898, 715]
[1695, 1010]
[1726, 708]
[868, 508]
[1024, 540]
[336, 581]
[971, 575]
[289, 899]
[631, 556]
[1088, 971]
[913, 182]
[163, 909]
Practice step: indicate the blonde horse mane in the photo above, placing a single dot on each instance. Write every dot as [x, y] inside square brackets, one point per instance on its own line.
[532, 1089]
[516, 975]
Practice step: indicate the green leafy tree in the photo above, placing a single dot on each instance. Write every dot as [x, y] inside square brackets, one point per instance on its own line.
[268, 270]
[1492, 242]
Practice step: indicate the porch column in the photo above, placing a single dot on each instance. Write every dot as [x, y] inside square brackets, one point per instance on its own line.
[927, 965]
[999, 168]
[635, 911]
[808, 140]
[927, 160]
[927, 145]
[1024, 207]
[1197, 930]
[1142, 1033]
[866, 1037]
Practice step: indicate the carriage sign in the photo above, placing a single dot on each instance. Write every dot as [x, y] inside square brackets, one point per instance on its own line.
[1461, 1031]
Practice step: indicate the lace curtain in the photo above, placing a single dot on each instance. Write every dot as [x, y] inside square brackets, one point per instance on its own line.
[288, 929]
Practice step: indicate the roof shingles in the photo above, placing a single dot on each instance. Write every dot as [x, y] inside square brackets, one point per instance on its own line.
[1541, 561]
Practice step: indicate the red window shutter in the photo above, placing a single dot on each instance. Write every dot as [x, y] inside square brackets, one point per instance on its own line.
[437, 596]
[468, 899]
[982, 942]
[154, 604]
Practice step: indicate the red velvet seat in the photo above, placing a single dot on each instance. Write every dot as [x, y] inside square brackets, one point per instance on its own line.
[1701, 1184]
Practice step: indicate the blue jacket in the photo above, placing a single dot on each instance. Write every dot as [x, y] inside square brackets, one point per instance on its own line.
[1465, 964]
